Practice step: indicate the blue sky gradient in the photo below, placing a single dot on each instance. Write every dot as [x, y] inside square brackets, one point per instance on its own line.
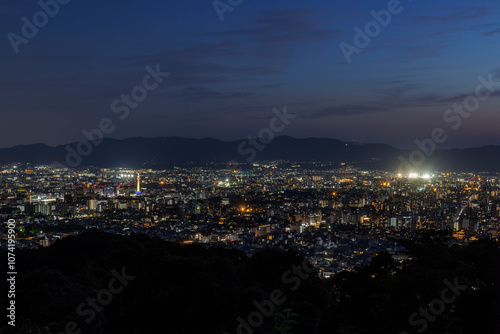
[226, 77]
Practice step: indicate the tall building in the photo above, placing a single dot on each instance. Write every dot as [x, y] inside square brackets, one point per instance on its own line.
[138, 190]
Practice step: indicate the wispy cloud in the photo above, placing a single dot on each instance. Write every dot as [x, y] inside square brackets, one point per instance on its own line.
[453, 15]
[492, 32]
[276, 33]
[198, 94]
[345, 110]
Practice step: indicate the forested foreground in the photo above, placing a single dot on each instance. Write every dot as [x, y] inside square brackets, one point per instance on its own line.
[102, 283]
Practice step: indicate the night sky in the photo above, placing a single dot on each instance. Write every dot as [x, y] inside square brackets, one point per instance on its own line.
[227, 76]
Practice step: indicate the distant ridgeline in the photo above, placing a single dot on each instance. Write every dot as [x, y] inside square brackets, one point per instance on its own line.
[174, 151]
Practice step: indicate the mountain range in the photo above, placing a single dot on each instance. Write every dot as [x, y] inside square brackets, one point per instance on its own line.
[176, 151]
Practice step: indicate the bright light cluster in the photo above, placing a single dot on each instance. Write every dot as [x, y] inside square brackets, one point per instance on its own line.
[426, 176]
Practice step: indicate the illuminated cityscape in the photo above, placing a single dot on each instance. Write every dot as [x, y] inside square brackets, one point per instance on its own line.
[340, 217]
[250, 167]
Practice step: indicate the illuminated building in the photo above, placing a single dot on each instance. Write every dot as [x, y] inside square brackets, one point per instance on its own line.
[138, 189]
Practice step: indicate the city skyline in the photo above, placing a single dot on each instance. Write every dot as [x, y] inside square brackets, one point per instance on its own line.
[244, 246]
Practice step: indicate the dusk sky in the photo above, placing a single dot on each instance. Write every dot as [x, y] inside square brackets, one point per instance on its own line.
[227, 76]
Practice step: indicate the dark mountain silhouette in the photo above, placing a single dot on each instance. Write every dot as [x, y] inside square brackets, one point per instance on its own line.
[153, 286]
[175, 151]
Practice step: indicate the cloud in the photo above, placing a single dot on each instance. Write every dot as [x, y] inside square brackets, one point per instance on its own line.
[453, 15]
[496, 73]
[397, 91]
[204, 63]
[459, 98]
[396, 96]
[278, 32]
[491, 32]
[197, 94]
[345, 110]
